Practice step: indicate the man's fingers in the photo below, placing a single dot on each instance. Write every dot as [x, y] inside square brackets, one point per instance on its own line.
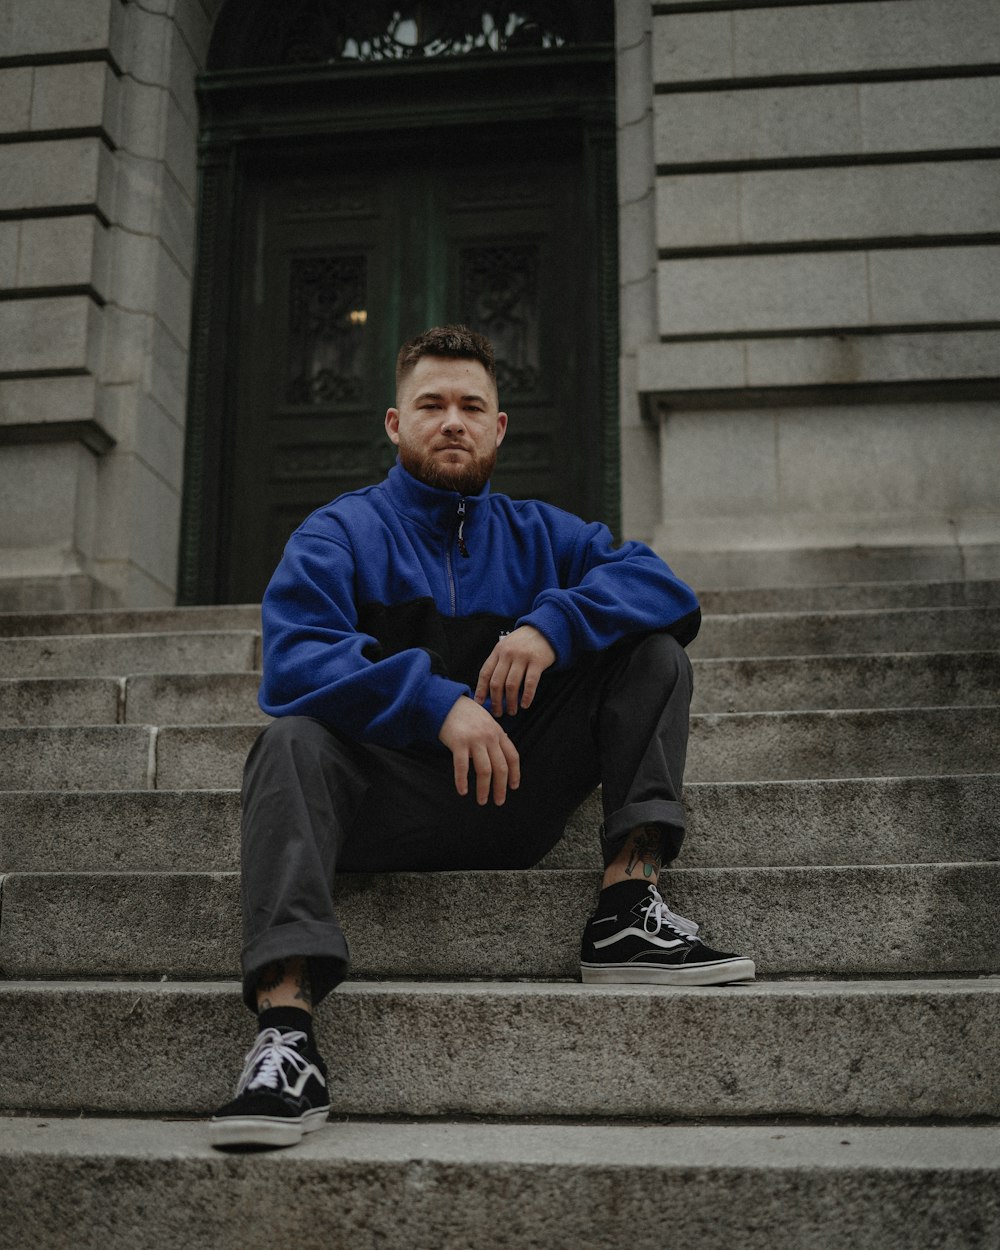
[513, 763]
[530, 684]
[512, 687]
[477, 743]
[498, 760]
[460, 759]
[485, 674]
[483, 764]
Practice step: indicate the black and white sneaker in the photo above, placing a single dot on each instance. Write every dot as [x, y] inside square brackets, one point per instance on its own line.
[634, 938]
[281, 1094]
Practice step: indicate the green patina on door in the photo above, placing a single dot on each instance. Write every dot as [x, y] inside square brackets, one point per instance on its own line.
[337, 241]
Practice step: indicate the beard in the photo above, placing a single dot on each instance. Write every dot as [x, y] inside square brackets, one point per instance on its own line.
[468, 477]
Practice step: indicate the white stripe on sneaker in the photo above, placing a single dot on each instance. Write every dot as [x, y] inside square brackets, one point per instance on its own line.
[650, 938]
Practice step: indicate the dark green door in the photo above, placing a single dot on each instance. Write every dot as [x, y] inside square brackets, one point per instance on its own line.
[346, 255]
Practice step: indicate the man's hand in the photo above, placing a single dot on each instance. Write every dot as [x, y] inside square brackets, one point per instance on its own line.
[512, 669]
[474, 738]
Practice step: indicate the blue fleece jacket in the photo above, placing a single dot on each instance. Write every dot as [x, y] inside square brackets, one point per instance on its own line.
[388, 600]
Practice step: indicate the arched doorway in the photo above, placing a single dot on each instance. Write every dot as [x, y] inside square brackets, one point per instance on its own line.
[368, 170]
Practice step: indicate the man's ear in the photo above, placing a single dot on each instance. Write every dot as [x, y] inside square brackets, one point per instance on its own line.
[392, 425]
[501, 427]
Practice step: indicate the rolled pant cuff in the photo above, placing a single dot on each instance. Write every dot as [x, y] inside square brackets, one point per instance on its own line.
[666, 813]
[321, 943]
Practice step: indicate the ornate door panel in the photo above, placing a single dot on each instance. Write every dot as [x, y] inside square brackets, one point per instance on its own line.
[310, 378]
[338, 269]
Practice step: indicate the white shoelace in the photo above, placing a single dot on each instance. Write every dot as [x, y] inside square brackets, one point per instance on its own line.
[263, 1068]
[658, 915]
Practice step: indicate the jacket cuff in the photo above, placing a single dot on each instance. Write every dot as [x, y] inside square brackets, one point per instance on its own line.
[438, 698]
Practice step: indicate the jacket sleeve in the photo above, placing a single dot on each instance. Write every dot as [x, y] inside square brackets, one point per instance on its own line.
[607, 592]
[317, 663]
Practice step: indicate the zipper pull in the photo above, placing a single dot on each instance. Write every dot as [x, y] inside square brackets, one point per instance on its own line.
[461, 529]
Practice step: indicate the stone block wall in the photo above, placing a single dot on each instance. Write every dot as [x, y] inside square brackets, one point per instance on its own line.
[98, 129]
[823, 372]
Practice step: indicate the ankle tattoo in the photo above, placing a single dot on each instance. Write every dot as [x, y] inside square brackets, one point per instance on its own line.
[646, 849]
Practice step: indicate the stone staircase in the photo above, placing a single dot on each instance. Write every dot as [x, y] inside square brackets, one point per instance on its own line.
[844, 791]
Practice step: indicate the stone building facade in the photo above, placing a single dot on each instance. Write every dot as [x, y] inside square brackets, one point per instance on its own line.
[808, 313]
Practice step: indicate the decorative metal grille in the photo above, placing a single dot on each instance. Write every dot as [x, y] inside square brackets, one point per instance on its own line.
[300, 32]
[499, 295]
[327, 318]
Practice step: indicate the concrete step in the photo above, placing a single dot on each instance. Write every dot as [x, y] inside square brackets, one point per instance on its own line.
[773, 746]
[212, 619]
[723, 636]
[887, 1049]
[155, 699]
[807, 683]
[746, 746]
[105, 757]
[848, 633]
[869, 920]
[885, 820]
[948, 679]
[115, 655]
[851, 596]
[462, 1186]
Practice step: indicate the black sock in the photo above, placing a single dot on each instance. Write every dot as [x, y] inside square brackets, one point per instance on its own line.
[286, 1018]
[633, 887]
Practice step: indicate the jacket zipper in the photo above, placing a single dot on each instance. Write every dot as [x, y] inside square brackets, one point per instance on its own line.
[452, 589]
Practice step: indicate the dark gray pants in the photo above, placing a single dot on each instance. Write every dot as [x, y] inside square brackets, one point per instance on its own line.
[314, 801]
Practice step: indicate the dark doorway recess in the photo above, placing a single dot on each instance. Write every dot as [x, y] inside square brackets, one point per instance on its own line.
[348, 205]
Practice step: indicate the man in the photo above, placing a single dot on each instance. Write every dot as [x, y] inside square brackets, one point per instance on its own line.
[452, 672]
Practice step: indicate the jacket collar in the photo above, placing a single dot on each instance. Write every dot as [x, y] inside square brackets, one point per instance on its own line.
[437, 509]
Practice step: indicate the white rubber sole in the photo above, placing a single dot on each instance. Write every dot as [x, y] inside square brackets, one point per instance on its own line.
[262, 1130]
[733, 971]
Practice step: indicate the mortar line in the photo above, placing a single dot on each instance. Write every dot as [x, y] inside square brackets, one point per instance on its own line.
[122, 710]
[151, 763]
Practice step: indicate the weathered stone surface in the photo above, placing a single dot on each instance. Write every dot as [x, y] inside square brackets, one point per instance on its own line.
[58, 332]
[38, 401]
[222, 619]
[15, 98]
[852, 596]
[53, 173]
[843, 119]
[736, 294]
[802, 206]
[743, 746]
[795, 683]
[779, 40]
[136, 830]
[771, 746]
[118, 655]
[62, 26]
[873, 920]
[59, 701]
[75, 94]
[193, 699]
[403, 1048]
[426, 1186]
[818, 290]
[202, 757]
[884, 820]
[842, 633]
[112, 757]
[947, 679]
[63, 251]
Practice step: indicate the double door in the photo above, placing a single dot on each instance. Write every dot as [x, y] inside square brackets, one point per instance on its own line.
[340, 265]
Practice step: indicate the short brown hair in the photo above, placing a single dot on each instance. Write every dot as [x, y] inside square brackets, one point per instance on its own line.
[457, 341]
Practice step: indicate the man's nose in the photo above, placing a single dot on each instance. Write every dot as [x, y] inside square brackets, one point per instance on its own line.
[454, 418]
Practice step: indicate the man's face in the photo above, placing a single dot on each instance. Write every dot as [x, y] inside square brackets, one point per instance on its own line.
[447, 425]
